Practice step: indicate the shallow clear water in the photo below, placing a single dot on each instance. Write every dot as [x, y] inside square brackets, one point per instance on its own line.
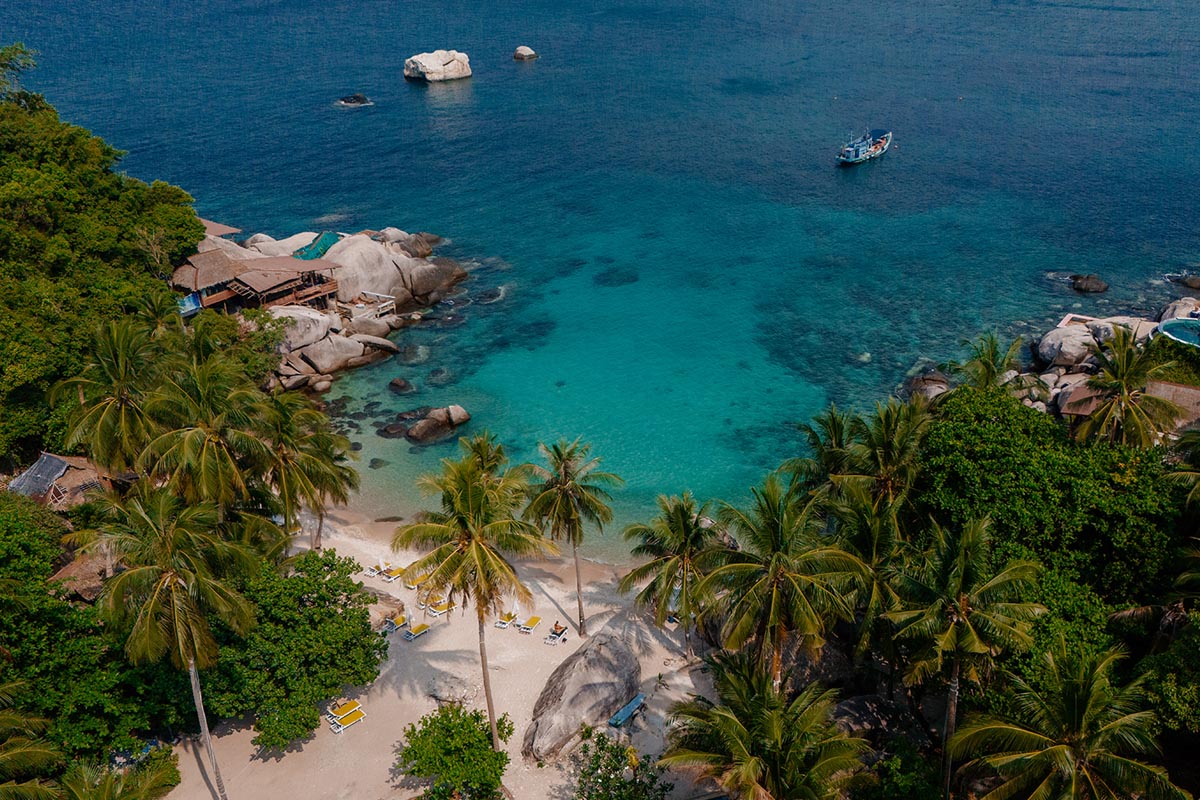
[687, 274]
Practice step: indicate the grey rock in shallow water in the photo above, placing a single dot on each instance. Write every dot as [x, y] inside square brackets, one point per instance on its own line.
[1090, 284]
[586, 689]
[1066, 346]
[928, 384]
[440, 65]
[524, 53]
[401, 386]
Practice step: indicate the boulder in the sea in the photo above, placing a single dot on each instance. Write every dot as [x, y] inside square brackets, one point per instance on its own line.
[401, 386]
[1183, 307]
[1091, 284]
[377, 463]
[524, 53]
[1190, 281]
[320, 387]
[391, 235]
[395, 430]
[420, 412]
[355, 99]
[1066, 346]
[928, 384]
[415, 245]
[585, 689]
[458, 415]
[429, 431]
[377, 342]
[440, 65]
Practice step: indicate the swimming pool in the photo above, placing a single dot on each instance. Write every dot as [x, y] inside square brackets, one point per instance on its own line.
[1184, 330]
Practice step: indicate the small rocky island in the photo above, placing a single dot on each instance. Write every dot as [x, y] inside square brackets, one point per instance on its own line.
[440, 65]
[354, 100]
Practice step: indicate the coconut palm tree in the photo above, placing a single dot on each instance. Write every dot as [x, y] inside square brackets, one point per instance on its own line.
[94, 782]
[486, 451]
[988, 362]
[782, 581]
[307, 461]
[758, 743]
[1076, 736]
[210, 451]
[870, 532]
[22, 750]
[176, 576]
[830, 436]
[886, 450]
[680, 545]
[468, 540]
[1126, 413]
[567, 493]
[109, 397]
[959, 614]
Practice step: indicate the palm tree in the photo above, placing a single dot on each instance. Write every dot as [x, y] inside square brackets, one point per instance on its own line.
[307, 461]
[175, 577]
[468, 539]
[570, 492]
[93, 782]
[210, 451]
[758, 743]
[1075, 737]
[886, 450]
[22, 750]
[960, 614]
[830, 436]
[680, 544]
[486, 451]
[871, 533]
[1126, 413]
[782, 580]
[109, 397]
[988, 362]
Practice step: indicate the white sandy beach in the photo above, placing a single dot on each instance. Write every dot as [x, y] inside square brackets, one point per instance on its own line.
[358, 763]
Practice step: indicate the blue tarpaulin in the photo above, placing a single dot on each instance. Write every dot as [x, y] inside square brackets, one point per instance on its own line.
[318, 247]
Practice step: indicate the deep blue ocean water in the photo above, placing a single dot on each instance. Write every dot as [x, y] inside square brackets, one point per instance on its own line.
[687, 274]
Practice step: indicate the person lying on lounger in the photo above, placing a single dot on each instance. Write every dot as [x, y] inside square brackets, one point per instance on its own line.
[558, 629]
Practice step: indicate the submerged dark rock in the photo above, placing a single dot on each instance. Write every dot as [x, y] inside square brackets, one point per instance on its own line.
[377, 463]
[401, 386]
[1091, 284]
[616, 276]
[354, 100]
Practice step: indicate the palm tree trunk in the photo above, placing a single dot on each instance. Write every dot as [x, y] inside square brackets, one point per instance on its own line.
[948, 731]
[487, 682]
[204, 734]
[579, 590]
[776, 666]
[316, 541]
[687, 640]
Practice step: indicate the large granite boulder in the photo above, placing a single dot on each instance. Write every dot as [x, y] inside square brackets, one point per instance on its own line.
[279, 247]
[427, 277]
[332, 353]
[1066, 346]
[372, 326]
[440, 65]
[231, 249]
[927, 384]
[364, 265]
[524, 53]
[1183, 307]
[305, 326]
[377, 342]
[1102, 329]
[586, 689]
[391, 235]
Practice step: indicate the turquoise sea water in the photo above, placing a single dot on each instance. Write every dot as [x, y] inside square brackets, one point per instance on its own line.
[686, 273]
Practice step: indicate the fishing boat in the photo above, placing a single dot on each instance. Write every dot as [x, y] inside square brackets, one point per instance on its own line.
[870, 145]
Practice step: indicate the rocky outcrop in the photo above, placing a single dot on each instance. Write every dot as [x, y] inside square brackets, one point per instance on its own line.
[524, 53]
[1102, 329]
[928, 384]
[425, 425]
[401, 386]
[332, 353]
[1183, 307]
[1090, 284]
[305, 325]
[377, 342]
[440, 65]
[586, 689]
[264, 244]
[1066, 346]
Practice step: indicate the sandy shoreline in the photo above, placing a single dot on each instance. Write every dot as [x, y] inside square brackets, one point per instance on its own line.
[358, 763]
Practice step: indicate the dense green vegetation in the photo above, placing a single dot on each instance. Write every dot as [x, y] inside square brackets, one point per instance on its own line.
[458, 752]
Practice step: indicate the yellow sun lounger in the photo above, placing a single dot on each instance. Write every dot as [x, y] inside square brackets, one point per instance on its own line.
[396, 623]
[530, 624]
[348, 720]
[413, 633]
[415, 581]
[344, 710]
[392, 575]
[433, 600]
[506, 619]
[441, 608]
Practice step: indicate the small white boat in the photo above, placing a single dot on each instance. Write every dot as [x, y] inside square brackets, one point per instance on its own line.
[864, 148]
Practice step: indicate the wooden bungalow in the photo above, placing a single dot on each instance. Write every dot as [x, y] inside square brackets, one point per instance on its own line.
[216, 279]
[58, 481]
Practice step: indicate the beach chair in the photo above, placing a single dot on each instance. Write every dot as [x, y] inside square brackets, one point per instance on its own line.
[415, 581]
[557, 635]
[506, 619]
[392, 575]
[396, 623]
[441, 608]
[432, 600]
[412, 633]
[622, 717]
[373, 570]
[343, 710]
[348, 720]
[528, 625]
